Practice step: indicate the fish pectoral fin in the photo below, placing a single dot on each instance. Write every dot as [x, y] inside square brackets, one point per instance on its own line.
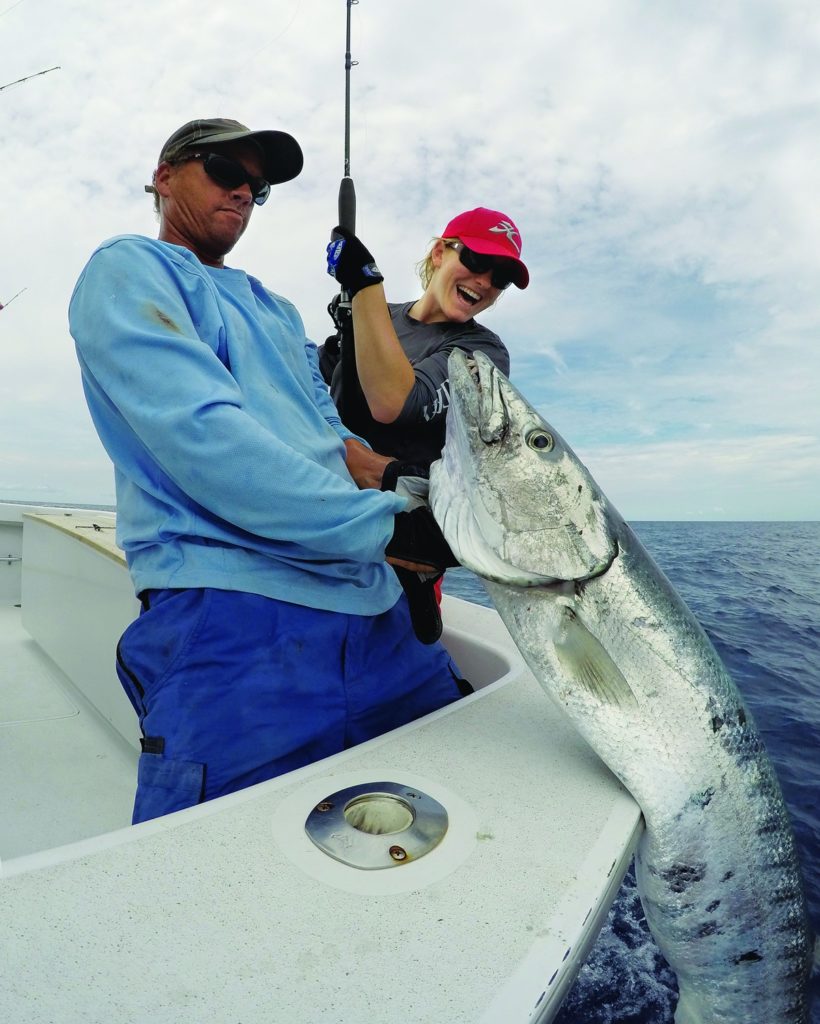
[585, 660]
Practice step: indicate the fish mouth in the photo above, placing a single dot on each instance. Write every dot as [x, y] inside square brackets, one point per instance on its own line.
[479, 378]
[515, 504]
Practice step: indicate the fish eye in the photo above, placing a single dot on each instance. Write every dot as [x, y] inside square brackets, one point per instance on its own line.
[540, 441]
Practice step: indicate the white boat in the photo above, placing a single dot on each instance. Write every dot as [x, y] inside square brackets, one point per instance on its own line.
[503, 838]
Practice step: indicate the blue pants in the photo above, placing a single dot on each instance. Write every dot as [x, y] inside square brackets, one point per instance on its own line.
[233, 688]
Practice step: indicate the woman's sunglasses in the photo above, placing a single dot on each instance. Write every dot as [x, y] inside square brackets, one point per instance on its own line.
[503, 270]
[231, 174]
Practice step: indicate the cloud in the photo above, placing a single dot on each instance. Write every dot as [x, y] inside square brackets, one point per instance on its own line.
[659, 159]
[743, 478]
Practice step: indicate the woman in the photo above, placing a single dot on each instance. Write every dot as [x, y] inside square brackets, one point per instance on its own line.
[402, 348]
[398, 398]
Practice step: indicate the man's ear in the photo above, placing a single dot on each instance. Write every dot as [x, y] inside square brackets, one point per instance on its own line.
[162, 177]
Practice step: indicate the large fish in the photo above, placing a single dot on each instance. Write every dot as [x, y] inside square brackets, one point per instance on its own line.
[610, 640]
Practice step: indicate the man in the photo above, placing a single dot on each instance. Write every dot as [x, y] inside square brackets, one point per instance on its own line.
[272, 631]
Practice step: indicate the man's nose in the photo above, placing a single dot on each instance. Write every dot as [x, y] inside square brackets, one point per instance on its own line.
[243, 192]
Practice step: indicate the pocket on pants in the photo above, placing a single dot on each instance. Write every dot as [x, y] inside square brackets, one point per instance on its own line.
[160, 639]
[165, 785]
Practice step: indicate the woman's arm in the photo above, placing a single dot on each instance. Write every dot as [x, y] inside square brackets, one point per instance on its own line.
[385, 373]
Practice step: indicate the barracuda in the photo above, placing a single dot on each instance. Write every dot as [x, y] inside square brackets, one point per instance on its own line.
[614, 645]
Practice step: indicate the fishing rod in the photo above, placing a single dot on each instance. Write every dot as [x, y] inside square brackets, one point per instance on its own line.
[351, 403]
[347, 193]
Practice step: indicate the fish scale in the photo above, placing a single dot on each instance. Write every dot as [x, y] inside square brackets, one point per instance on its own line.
[611, 641]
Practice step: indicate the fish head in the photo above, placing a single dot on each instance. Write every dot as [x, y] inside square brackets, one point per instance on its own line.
[515, 503]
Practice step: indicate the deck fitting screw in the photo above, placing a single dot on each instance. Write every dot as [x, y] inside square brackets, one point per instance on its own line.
[324, 806]
[398, 853]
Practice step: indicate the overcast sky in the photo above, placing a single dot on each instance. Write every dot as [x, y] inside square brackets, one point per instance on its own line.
[660, 158]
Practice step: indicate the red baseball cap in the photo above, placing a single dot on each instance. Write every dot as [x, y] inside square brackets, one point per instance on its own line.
[492, 233]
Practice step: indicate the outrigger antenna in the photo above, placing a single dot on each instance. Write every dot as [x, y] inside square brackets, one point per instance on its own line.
[37, 74]
[3, 305]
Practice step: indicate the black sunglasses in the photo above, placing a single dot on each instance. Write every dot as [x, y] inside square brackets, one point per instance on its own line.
[231, 174]
[503, 270]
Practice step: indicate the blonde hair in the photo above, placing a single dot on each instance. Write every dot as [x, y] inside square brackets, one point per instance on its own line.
[425, 267]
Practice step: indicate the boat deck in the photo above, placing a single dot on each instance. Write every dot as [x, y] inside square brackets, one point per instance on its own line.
[66, 773]
[227, 911]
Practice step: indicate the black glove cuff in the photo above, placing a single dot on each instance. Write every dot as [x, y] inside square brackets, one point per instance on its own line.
[423, 604]
[393, 470]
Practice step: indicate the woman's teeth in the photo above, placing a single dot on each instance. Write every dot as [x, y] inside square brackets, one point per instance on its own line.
[468, 295]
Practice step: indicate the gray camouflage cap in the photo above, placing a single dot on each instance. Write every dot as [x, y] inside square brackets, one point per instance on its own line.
[281, 153]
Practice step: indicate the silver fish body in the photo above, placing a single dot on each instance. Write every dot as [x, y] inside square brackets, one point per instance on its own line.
[609, 639]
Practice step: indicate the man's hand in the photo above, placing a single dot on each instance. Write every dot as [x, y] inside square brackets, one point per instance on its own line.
[350, 262]
[417, 535]
[365, 466]
[418, 543]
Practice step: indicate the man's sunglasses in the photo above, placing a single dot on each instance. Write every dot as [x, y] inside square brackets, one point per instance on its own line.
[503, 270]
[231, 174]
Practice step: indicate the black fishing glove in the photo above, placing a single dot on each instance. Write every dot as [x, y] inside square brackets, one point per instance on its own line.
[417, 538]
[350, 262]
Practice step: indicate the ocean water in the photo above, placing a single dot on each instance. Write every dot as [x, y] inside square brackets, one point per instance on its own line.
[755, 588]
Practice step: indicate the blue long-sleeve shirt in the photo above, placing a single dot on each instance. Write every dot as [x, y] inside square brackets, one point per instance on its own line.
[228, 452]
